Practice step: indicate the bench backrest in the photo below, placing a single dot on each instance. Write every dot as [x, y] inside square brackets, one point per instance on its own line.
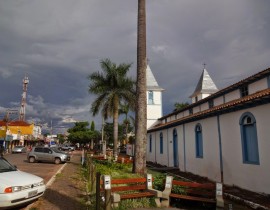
[128, 184]
[193, 188]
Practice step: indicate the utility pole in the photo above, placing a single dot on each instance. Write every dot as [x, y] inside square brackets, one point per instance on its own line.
[23, 102]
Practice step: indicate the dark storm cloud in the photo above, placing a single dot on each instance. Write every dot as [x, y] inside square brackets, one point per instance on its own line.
[58, 43]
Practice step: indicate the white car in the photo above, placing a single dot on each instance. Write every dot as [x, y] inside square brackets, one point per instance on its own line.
[17, 187]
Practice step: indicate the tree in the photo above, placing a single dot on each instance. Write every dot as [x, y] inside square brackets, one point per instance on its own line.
[92, 127]
[140, 115]
[178, 106]
[111, 87]
[61, 138]
[80, 133]
[124, 109]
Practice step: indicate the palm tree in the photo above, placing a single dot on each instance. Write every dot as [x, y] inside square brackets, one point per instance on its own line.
[124, 109]
[140, 115]
[111, 87]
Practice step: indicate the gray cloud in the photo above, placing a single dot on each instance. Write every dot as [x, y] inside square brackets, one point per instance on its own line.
[58, 43]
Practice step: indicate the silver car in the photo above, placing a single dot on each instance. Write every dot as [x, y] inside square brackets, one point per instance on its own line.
[18, 149]
[46, 154]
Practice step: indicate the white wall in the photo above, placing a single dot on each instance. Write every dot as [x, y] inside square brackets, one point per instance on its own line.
[249, 176]
[258, 85]
[232, 95]
[210, 160]
[154, 111]
[204, 106]
[218, 101]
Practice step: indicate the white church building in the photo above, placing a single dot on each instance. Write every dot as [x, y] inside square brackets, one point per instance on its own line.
[223, 134]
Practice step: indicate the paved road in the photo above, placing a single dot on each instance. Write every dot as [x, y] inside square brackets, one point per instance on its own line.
[44, 170]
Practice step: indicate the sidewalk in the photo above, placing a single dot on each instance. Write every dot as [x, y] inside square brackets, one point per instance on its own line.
[64, 191]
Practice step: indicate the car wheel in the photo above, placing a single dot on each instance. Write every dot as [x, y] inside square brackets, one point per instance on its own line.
[32, 159]
[57, 161]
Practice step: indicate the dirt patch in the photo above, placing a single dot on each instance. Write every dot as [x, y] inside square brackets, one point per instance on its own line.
[67, 191]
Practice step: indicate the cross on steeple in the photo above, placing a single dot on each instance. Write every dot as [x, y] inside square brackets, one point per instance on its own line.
[204, 64]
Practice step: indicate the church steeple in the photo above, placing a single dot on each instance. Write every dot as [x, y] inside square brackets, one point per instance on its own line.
[154, 98]
[151, 83]
[204, 88]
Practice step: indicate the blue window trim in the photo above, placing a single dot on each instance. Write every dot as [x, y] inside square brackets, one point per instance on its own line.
[161, 143]
[175, 150]
[243, 140]
[150, 143]
[198, 142]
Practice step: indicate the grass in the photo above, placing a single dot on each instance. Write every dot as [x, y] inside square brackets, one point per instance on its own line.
[121, 171]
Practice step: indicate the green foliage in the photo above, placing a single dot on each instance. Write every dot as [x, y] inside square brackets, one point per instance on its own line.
[92, 128]
[79, 126]
[179, 106]
[136, 203]
[116, 170]
[179, 189]
[80, 133]
[158, 182]
[108, 132]
[111, 86]
[61, 138]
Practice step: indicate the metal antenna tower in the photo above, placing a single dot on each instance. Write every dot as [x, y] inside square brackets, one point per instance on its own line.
[23, 102]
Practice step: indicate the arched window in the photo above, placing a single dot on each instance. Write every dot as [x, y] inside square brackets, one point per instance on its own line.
[198, 141]
[249, 139]
[175, 149]
[161, 143]
[150, 143]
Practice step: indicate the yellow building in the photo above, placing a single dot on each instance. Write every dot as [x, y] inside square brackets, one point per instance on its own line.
[14, 133]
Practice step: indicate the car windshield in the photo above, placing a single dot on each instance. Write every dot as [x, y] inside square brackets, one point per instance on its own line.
[5, 166]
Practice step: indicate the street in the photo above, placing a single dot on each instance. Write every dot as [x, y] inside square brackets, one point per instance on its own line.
[44, 170]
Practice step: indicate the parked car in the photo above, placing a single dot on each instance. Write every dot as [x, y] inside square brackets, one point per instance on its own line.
[67, 147]
[18, 149]
[46, 154]
[17, 187]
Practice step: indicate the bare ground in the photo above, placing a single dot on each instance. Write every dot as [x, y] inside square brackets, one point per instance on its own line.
[67, 192]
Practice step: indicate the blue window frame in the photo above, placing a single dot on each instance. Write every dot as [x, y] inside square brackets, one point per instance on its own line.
[250, 150]
[161, 143]
[198, 141]
[150, 97]
[150, 143]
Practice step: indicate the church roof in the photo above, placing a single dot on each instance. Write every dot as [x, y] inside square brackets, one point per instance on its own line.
[151, 82]
[205, 85]
[255, 99]
[14, 123]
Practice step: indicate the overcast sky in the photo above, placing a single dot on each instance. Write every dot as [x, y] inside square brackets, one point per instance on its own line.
[58, 43]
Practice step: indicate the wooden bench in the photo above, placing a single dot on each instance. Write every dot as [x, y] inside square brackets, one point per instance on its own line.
[193, 191]
[132, 188]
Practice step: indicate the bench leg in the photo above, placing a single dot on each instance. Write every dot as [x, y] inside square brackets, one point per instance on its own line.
[165, 202]
[157, 200]
[115, 200]
[220, 202]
